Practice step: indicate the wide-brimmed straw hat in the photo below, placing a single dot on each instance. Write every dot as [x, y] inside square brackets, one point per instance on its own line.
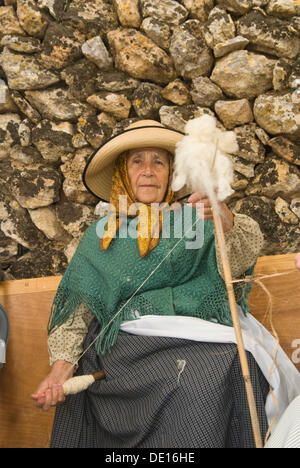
[98, 172]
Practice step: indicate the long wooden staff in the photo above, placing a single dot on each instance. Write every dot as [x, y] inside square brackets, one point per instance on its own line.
[219, 233]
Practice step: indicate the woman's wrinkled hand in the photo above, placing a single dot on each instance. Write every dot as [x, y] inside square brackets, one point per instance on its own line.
[50, 391]
[297, 261]
[225, 213]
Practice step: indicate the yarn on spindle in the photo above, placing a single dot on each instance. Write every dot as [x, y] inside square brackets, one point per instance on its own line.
[78, 384]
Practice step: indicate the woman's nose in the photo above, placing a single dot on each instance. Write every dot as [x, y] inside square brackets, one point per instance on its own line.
[148, 169]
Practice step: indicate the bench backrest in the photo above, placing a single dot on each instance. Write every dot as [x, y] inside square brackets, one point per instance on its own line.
[28, 303]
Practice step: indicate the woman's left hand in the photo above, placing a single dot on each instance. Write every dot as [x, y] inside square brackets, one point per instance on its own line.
[226, 214]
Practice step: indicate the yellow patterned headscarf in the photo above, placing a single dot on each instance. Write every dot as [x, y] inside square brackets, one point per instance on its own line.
[150, 218]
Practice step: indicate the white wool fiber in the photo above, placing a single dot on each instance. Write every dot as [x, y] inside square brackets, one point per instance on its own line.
[201, 159]
[77, 384]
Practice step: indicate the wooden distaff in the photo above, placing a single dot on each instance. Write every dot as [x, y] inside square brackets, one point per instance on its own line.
[219, 233]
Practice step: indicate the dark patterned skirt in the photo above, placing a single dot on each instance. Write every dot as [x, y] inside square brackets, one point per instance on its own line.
[161, 392]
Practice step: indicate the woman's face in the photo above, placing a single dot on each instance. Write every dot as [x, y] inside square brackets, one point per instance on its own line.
[148, 170]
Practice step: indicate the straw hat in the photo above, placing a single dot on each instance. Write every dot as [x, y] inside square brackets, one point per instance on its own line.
[98, 172]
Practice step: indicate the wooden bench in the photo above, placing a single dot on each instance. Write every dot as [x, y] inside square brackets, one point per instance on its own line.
[28, 302]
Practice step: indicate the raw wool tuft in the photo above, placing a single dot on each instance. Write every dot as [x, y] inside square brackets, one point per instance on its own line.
[202, 159]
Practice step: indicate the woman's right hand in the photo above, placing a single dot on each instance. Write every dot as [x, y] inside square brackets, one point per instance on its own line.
[50, 391]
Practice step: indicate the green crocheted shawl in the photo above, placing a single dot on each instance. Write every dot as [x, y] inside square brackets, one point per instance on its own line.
[186, 283]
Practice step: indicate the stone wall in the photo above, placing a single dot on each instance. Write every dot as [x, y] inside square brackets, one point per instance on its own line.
[75, 72]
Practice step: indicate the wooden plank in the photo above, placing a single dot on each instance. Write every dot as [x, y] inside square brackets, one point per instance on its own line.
[27, 364]
[29, 286]
[285, 294]
[28, 305]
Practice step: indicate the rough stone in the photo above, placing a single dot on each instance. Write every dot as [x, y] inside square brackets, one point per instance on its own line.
[91, 17]
[94, 50]
[279, 237]
[25, 107]
[8, 250]
[276, 114]
[283, 210]
[198, 9]
[262, 136]
[45, 261]
[191, 56]
[240, 7]
[7, 104]
[9, 125]
[275, 178]
[55, 104]
[9, 23]
[46, 221]
[234, 113]
[242, 74]
[101, 208]
[176, 117]
[193, 27]
[204, 92]
[158, 31]
[285, 149]
[27, 155]
[19, 227]
[107, 120]
[140, 57]
[61, 46]
[168, 11]
[78, 141]
[80, 78]
[242, 166]
[31, 18]
[94, 130]
[295, 206]
[115, 81]
[52, 140]
[239, 182]
[25, 72]
[6, 199]
[177, 92]
[295, 23]
[294, 78]
[112, 103]
[75, 218]
[25, 133]
[281, 74]
[55, 7]
[71, 248]
[283, 8]
[250, 147]
[219, 27]
[121, 125]
[224, 48]
[26, 45]
[73, 186]
[35, 186]
[147, 100]
[269, 35]
[128, 13]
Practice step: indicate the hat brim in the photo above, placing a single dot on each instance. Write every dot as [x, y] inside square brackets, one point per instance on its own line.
[98, 172]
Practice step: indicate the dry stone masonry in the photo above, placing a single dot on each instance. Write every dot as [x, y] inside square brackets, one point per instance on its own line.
[75, 72]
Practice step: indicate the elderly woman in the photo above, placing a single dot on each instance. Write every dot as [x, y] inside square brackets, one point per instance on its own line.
[151, 311]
